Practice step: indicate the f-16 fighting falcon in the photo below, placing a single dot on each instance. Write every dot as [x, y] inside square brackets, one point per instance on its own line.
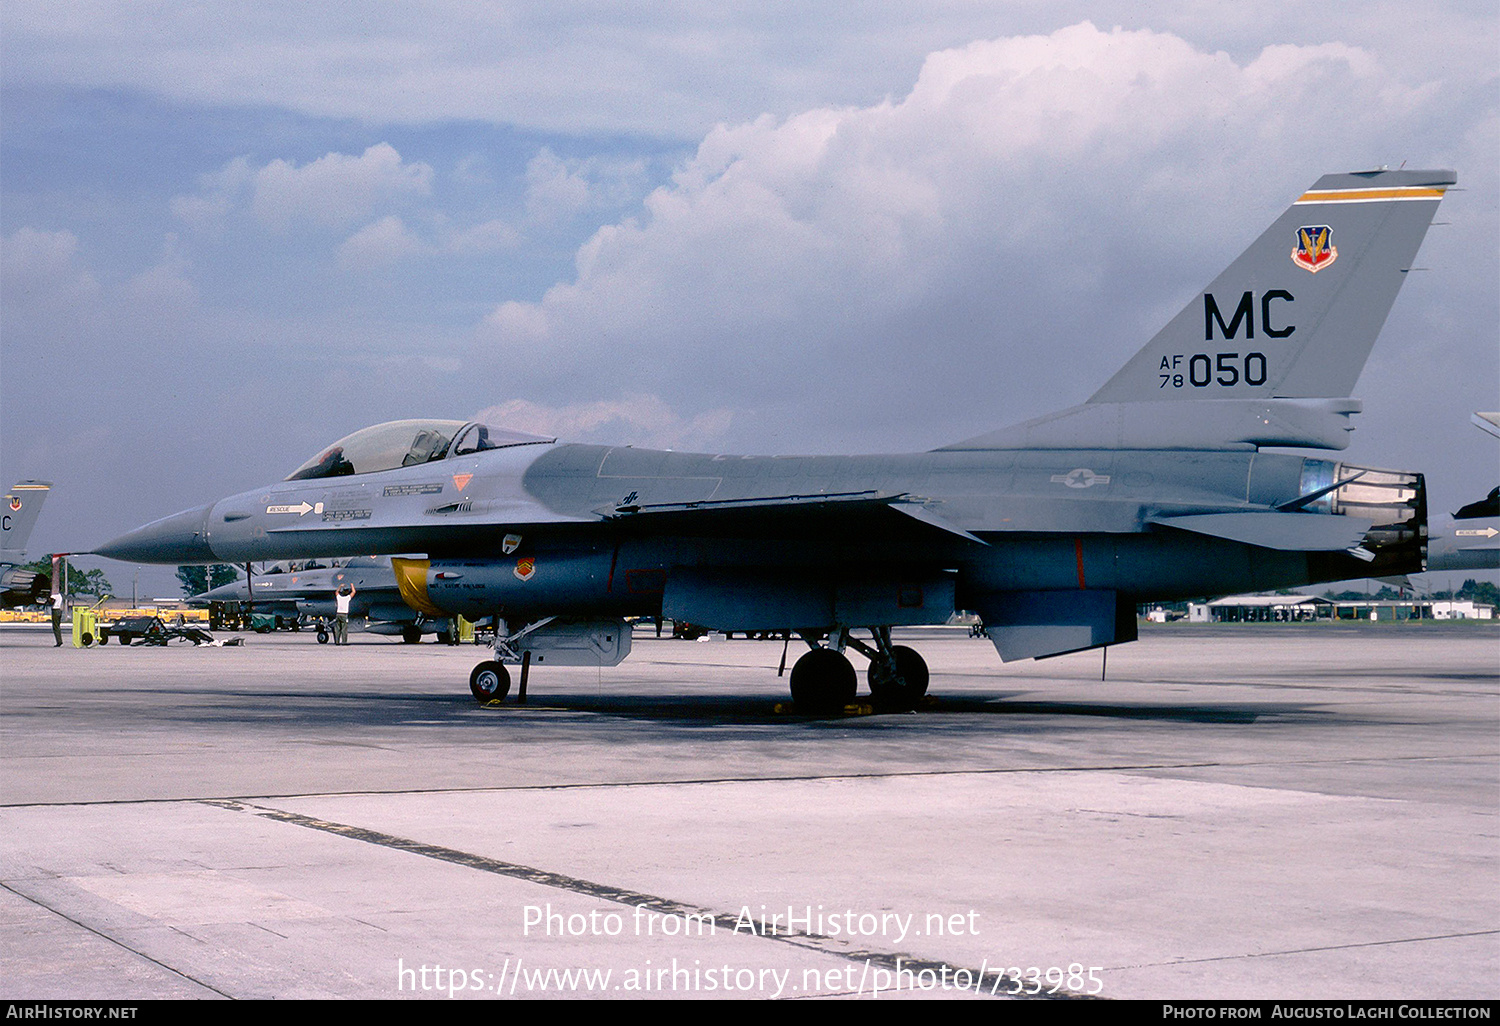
[298, 591]
[1051, 530]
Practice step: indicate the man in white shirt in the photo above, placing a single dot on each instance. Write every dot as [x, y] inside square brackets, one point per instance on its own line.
[342, 598]
[59, 607]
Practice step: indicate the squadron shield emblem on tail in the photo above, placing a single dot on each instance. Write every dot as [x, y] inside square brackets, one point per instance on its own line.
[1315, 249]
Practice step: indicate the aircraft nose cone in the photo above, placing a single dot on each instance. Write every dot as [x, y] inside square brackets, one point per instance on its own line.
[179, 538]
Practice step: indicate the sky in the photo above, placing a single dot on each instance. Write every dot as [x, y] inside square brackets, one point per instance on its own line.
[234, 233]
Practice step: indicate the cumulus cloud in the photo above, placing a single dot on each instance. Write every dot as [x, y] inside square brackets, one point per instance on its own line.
[990, 234]
[557, 189]
[552, 188]
[383, 242]
[487, 237]
[336, 189]
[390, 240]
[39, 268]
[219, 193]
[165, 291]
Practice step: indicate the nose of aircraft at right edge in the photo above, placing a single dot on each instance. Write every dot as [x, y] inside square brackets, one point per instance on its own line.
[179, 538]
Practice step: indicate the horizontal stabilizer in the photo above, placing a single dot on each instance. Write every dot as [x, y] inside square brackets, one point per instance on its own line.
[1290, 532]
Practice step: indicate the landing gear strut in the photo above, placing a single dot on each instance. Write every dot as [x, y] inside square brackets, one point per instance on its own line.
[490, 680]
[823, 680]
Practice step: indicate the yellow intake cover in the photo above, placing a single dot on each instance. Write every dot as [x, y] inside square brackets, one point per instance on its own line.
[411, 581]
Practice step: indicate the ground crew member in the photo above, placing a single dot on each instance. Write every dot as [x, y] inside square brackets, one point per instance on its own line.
[58, 602]
[342, 598]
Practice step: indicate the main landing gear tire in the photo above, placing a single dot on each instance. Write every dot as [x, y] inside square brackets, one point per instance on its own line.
[411, 635]
[322, 636]
[490, 682]
[899, 682]
[823, 681]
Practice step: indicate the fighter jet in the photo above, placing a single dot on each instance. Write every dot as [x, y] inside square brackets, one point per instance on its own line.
[19, 586]
[1052, 531]
[307, 590]
[1470, 539]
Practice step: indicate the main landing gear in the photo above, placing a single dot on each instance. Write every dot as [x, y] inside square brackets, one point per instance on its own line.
[824, 681]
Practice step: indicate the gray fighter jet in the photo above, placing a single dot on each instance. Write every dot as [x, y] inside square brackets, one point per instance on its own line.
[308, 590]
[1052, 531]
[1470, 538]
[19, 586]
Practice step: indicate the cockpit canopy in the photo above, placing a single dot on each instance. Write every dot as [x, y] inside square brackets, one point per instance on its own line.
[405, 443]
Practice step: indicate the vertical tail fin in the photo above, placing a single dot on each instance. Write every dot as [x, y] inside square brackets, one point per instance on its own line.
[1296, 314]
[23, 503]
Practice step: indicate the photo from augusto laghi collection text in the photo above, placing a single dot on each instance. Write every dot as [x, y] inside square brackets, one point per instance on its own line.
[813, 927]
[1326, 1010]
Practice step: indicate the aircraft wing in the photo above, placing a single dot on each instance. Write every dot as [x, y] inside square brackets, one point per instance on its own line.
[775, 514]
[766, 502]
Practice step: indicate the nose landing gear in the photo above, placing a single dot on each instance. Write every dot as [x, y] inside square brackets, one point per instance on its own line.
[490, 681]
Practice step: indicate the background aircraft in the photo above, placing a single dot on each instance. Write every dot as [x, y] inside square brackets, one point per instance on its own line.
[1470, 539]
[295, 591]
[19, 586]
[1158, 488]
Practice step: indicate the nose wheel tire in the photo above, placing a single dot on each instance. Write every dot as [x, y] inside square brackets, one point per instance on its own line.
[900, 681]
[823, 681]
[490, 682]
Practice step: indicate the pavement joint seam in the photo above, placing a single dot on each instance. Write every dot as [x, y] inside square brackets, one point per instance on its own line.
[802, 778]
[1321, 947]
[891, 961]
[114, 940]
